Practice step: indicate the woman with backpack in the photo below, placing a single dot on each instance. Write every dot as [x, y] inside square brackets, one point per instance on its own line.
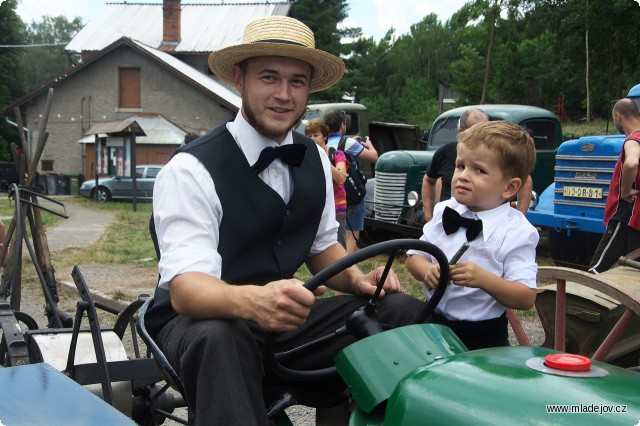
[317, 130]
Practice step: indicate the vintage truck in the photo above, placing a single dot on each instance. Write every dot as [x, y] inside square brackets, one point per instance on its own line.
[385, 137]
[571, 208]
[396, 200]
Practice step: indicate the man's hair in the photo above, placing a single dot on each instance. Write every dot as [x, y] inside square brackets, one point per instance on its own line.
[316, 125]
[462, 125]
[334, 120]
[513, 145]
[190, 137]
[627, 108]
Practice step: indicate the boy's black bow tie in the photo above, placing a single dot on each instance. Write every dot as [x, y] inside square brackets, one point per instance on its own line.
[292, 154]
[452, 221]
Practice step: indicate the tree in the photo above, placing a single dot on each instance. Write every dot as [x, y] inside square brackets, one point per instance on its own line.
[323, 17]
[47, 58]
[11, 69]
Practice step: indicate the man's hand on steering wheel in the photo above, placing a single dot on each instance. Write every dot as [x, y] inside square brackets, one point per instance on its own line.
[366, 285]
[283, 305]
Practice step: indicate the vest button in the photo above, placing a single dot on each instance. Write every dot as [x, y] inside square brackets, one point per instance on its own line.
[286, 276]
[279, 243]
[287, 212]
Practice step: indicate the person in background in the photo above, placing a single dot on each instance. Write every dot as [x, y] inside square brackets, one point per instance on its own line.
[337, 122]
[436, 183]
[319, 132]
[622, 209]
[499, 268]
[190, 137]
[235, 215]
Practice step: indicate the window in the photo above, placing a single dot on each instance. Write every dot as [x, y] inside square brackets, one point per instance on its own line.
[129, 80]
[152, 172]
[444, 131]
[46, 165]
[543, 134]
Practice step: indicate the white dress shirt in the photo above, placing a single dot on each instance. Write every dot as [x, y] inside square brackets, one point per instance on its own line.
[506, 247]
[187, 211]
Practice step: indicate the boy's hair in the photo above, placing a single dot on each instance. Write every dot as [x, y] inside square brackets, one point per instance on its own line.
[512, 143]
[316, 125]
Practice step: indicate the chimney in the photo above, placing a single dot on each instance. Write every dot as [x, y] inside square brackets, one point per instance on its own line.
[171, 17]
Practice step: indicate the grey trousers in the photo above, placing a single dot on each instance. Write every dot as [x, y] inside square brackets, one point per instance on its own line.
[220, 361]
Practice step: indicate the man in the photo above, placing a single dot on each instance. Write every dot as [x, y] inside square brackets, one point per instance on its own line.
[437, 179]
[337, 123]
[233, 228]
[443, 165]
[622, 211]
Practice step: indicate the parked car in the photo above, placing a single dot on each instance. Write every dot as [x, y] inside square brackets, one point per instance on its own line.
[121, 187]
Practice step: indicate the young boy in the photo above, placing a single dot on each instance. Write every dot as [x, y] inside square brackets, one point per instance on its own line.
[499, 268]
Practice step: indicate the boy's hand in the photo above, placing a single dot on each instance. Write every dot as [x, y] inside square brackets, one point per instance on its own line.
[467, 274]
[432, 276]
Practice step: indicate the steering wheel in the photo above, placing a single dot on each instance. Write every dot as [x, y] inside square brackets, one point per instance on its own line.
[362, 322]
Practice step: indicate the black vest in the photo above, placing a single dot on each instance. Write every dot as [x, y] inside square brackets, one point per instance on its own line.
[262, 239]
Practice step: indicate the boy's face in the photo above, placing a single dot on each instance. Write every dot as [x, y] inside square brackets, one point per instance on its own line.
[478, 181]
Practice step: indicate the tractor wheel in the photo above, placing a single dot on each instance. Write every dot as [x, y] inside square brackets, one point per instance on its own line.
[595, 315]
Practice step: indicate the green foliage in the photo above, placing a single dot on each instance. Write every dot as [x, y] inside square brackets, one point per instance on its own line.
[323, 16]
[12, 79]
[42, 63]
[538, 55]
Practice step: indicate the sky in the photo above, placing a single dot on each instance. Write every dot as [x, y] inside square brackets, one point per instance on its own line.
[375, 17]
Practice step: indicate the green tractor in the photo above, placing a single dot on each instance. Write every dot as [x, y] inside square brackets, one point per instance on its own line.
[423, 374]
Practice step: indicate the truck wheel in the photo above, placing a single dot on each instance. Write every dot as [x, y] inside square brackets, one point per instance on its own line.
[594, 315]
[575, 250]
[103, 194]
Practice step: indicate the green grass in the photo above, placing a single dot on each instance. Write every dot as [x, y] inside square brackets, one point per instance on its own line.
[8, 208]
[125, 242]
[576, 129]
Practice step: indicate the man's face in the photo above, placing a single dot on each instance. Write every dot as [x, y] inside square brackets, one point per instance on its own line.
[274, 93]
[617, 122]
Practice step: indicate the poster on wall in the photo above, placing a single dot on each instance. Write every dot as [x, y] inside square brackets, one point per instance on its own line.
[114, 157]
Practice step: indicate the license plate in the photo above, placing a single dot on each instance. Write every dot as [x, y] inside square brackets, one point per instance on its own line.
[582, 192]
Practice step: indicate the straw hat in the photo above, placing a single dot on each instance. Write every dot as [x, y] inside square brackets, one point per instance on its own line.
[280, 36]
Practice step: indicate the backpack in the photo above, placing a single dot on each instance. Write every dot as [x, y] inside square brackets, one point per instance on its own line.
[356, 184]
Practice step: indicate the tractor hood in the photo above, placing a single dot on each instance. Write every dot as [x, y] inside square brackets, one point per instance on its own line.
[426, 376]
[498, 386]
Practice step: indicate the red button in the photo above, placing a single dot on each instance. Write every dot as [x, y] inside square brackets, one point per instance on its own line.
[568, 362]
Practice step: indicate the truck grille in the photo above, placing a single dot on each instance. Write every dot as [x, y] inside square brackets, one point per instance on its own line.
[582, 182]
[388, 196]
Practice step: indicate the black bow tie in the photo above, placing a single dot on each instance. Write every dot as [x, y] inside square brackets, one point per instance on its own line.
[292, 154]
[452, 221]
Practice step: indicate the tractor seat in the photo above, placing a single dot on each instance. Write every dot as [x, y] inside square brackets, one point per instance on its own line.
[277, 396]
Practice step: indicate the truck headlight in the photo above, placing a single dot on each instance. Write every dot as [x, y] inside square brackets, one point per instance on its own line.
[412, 198]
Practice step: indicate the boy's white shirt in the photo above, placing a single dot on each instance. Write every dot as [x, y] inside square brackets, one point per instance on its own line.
[506, 247]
